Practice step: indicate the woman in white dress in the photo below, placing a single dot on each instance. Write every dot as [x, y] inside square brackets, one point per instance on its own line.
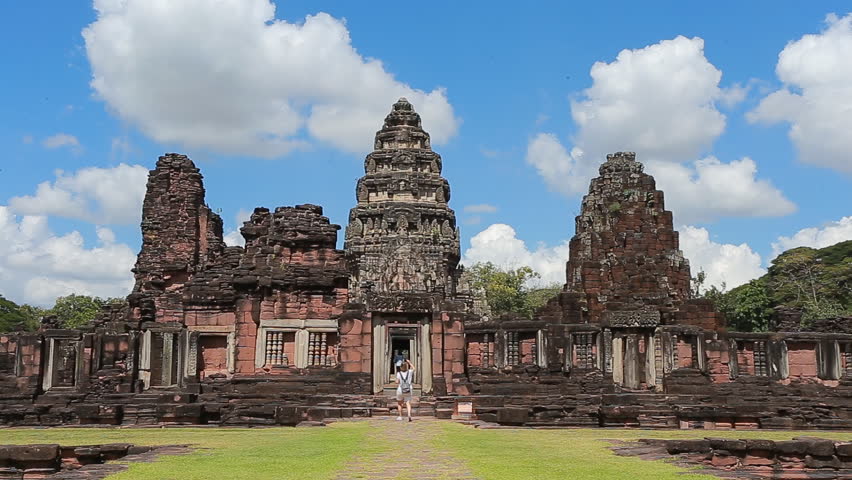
[404, 378]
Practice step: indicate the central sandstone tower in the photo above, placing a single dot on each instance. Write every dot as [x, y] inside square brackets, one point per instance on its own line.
[402, 240]
[402, 244]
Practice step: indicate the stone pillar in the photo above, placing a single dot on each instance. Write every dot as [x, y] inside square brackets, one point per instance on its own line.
[779, 369]
[232, 352]
[380, 347]
[168, 346]
[701, 352]
[540, 349]
[568, 357]
[733, 365]
[302, 337]
[426, 357]
[631, 361]
[618, 360]
[828, 360]
[145, 359]
[651, 360]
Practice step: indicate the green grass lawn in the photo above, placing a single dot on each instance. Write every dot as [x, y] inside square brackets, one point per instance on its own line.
[262, 453]
[318, 453]
[579, 454]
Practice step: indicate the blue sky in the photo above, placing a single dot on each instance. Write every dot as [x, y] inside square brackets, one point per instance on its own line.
[500, 86]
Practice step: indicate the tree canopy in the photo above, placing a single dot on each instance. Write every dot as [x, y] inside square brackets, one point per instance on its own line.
[508, 291]
[71, 311]
[817, 282]
[14, 317]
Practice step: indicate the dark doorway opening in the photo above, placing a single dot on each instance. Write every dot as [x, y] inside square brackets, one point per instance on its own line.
[401, 347]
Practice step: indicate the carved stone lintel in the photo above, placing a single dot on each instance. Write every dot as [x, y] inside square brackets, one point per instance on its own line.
[633, 318]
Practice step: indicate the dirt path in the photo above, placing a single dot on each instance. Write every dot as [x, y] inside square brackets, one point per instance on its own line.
[420, 459]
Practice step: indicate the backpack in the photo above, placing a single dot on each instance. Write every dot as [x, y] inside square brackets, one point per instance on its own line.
[405, 382]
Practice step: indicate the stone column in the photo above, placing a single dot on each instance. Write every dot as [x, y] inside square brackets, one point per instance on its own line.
[631, 361]
[540, 349]
[301, 360]
[145, 359]
[618, 360]
[379, 356]
[651, 360]
[426, 357]
[168, 348]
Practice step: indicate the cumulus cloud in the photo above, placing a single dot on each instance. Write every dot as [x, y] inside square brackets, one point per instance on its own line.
[233, 237]
[500, 245]
[815, 237]
[480, 208]
[99, 195]
[662, 102]
[228, 77]
[816, 99]
[36, 265]
[61, 140]
[555, 165]
[723, 263]
[659, 100]
[709, 189]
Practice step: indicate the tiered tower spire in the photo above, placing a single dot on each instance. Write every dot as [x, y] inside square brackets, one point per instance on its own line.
[402, 236]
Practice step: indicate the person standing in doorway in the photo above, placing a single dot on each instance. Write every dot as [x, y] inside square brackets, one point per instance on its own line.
[404, 378]
[397, 360]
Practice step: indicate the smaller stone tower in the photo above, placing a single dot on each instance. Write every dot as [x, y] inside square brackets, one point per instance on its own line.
[180, 234]
[625, 253]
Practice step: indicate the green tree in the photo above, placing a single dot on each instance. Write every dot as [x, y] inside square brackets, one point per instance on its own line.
[538, 297]
[696, 284]
[75, 311]
[14, 317]
[507, 291]
[748, 307]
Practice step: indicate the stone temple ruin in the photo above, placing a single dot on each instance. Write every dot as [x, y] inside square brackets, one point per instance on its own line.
[289, 328]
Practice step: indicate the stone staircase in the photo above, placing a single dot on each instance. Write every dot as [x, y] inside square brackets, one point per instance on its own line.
[421, 406]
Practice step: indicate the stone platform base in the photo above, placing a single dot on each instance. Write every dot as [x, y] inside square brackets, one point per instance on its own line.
[800, 458]
[639, 410]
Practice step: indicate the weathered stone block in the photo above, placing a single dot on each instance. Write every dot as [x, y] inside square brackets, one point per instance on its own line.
[512, 416]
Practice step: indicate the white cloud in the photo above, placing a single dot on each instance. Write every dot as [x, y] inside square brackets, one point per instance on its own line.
[725, 263]
[541, 119]
[734, 94]
[658, 101]
[62, 140]
[99, 195]
[661, 102]
[234, 238]
[228, 77]
[499, 245]
[27, 139]
[480, 208]
[816, 99]
[829, 234]
[120, 148]
[709, 189]
[555, 165]
[489, 153]
[36, 265]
